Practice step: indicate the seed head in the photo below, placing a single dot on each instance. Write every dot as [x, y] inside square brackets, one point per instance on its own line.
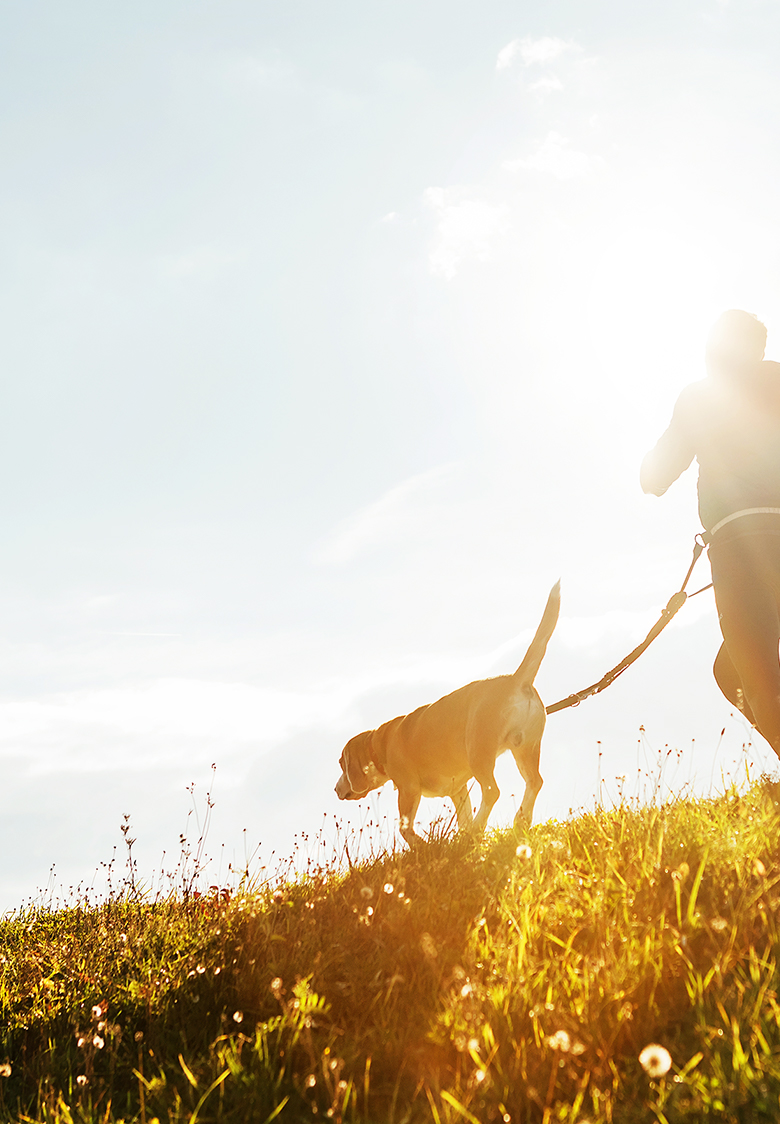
[560, 1041]
[655, 1060]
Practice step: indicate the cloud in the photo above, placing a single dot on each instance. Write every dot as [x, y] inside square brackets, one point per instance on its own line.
[533, 51]
[168, 722]
[391, 518]
[555, 157]
[548, 84]
[466, 228]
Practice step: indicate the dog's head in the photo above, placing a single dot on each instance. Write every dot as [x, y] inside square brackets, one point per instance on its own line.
[359, 774]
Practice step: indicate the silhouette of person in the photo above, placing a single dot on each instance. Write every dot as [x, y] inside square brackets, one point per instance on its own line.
[730, 422]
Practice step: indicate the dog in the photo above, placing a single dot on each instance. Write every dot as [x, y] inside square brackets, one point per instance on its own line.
[437, 749]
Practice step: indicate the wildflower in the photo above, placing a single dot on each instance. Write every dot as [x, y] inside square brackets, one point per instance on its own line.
[98, 1042]
[238, 1016]
[80, 1041]
[388, 887]
[560, 1041]
[5, 1070]
[98, 1011]
[428, 947]
[719, 924]
[311, 1081]
[139, 1036]
[759, 869]
[524, 852]
[200, 969]
[466, 990]
[276, 986]
[81, 1080]
[366, 892]
[655, 1060]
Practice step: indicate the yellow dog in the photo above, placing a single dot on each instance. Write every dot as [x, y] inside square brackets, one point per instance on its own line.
[437, 749]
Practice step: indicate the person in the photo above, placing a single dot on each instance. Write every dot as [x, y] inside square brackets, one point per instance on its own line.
[730, 422]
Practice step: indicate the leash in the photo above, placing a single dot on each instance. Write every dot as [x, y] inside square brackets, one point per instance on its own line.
[673, 605]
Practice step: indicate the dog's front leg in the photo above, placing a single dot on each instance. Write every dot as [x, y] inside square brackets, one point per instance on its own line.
[408, 803]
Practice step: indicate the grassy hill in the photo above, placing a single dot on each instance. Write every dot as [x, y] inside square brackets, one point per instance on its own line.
[509, 980]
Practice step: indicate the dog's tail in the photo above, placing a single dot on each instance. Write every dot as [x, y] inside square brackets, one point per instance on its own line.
[533, 657]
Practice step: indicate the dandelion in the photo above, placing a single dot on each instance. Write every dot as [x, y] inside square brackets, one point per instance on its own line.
[5, 1069]
[428, 946]
[238, 1016]
[81, 1080]
[560, 1041]
[655, 1060]
[524, 852]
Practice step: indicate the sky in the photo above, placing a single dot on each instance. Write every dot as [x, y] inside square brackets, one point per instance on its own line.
[332, 336]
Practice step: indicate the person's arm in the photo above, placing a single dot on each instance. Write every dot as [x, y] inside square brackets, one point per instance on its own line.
[672, 455]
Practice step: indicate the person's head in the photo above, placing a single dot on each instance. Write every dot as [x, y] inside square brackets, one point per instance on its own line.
[737, 341]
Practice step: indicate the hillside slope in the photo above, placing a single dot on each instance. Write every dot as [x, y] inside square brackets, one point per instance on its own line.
[509, 980]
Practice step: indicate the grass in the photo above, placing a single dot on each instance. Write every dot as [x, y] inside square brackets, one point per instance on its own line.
[512, 979]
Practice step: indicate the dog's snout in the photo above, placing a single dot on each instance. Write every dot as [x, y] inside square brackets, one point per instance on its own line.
[343, 788]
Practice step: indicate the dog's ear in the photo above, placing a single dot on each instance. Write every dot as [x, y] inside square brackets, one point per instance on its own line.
[359, 765]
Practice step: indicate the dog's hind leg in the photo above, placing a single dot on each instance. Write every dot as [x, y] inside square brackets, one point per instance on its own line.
[486, 780]
[527, 760]
[463, 808]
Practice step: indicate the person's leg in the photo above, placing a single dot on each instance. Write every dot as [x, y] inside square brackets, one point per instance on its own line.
[730, 684]
[746, 576]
